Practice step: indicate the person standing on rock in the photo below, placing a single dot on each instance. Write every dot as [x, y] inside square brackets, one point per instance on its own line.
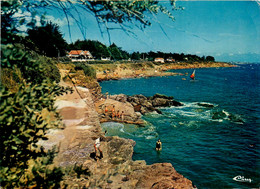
[106, 110]
[113, 112]
[122, 115]
[118, 114]
[107, 96]
[97, 148]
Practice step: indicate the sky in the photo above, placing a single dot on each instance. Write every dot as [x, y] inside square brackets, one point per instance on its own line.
[227, 30]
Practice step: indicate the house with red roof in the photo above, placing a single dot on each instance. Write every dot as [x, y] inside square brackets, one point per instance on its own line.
[80, 55]
[161, 60]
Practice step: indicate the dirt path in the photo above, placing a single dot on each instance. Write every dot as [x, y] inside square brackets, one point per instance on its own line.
[81, 122]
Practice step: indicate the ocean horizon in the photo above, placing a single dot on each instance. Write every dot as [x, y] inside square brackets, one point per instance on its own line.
[213, 139]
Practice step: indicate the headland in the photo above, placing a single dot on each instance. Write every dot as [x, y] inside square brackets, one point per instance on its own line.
[120, 70]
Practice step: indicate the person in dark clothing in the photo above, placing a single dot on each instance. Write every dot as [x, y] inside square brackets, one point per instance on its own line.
[158, 146]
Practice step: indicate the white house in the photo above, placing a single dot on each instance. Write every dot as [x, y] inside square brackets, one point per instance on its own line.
[80, 55]
[161, 60]
[105, 59]
[170, 60]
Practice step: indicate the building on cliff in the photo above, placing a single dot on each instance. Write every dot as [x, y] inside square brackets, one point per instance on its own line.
[161, 60]
[80, 55]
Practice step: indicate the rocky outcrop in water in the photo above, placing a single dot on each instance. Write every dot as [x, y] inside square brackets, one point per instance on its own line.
[133, 107]
[145, 104]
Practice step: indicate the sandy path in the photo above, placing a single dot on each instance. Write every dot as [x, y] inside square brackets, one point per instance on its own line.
[81, 122]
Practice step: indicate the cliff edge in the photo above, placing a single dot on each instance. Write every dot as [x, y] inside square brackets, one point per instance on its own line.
[116, 169]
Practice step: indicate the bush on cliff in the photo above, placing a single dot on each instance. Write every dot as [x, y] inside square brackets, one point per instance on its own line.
[22, 127]
[18, 64]
[23, 163]
[88, 70]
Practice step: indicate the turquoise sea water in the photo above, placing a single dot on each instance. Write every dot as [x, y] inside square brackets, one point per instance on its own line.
[208, 145]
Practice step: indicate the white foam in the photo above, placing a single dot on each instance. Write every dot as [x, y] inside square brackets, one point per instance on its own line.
[217, 120]
[150, 137]
[226, 113]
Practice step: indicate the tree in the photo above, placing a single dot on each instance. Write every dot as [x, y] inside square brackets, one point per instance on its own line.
[210, 58]
[125, 14]
[135, 56]
[47, 40]
[23, 163]
[115, 52]
[96, 48]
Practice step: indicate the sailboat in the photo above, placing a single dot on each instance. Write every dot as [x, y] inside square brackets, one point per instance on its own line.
[192, 76]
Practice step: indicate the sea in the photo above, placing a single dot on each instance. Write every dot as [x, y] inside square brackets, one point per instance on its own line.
[213, 139]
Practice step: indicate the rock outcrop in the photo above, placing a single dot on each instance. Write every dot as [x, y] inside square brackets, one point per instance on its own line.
[133, 107]
[116, 169]
[145, 104]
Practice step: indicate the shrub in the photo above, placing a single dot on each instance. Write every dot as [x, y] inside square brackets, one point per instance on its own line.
[33, 67]
[22, 126]
[11, 78]
[150, 64]
[51, 70]
[88, 70]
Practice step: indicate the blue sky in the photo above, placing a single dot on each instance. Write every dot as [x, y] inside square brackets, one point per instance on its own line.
[227, 30]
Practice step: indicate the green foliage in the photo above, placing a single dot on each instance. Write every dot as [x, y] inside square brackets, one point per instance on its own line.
[210, 58]
[96, 48]
[23, 163]
[79, 170]
[117, 53]
[99, 50]
[135, 56]
[123, 12]
[14, 56]
[88, 70]
[21, 122]
[50, 70]
[11, 23]
[22, 126]
[176, 56]
[33, 67]
[11, 78]
[44, 175]
[47, 40]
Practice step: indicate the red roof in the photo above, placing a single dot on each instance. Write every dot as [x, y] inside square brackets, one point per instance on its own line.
[79, 52]
[159, 58]
[75, 52]
[86, 52]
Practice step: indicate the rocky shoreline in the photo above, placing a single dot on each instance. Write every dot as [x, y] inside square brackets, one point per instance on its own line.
[84, 110]
[148, 69]
[133, 107]
[116, 169]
